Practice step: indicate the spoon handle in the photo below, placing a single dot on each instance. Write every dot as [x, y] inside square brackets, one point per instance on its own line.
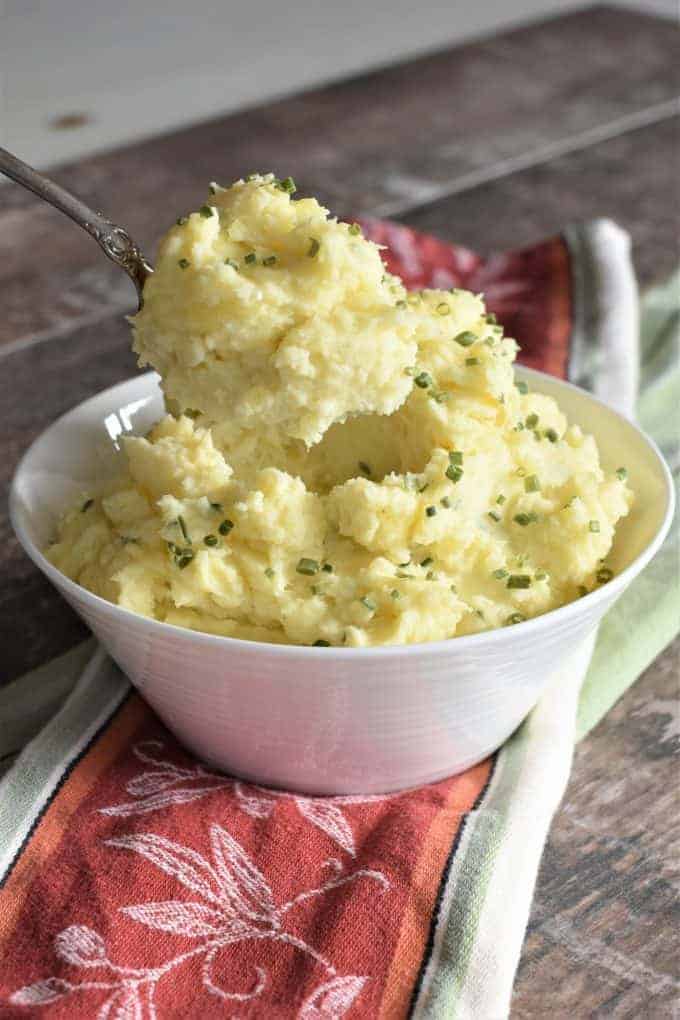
[115, 242]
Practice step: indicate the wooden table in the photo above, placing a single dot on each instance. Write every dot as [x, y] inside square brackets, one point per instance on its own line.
[493, 144]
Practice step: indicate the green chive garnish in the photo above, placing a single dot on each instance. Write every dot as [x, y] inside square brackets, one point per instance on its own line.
[519, 581]
[594, 526]
[531, 421]
[427, 561]
[494, 516]
[540, 576]
[206, 211]
[320, 643]
[217, 507]
[622, 473]
[269, 261]
[184, 263]
[532, 484]
[191, 412]
[182, 220]
[225, 527]
[231, 264]
[364, 468]
[582, 590]
[445, 502]
[471, 361]
[603, 575]
[551, 435]
[491, 319]
[430, 511]
[211, 540]
[183, 529]
[367, 601]
[269, 572]
[307, 566]
[354, 229]
[465, 339]
[287, 185]
[250, 258]
[524, 519]
[327, 568]
[500, 574]
[454, 472]
[443, 308]
[500, 499]
[185, 559]
[456, 457]
[515, 618]
[86, 505]
[313, 249]
[430, 576]
[423, 380]
[394, 594]
[401, 304]
[522, 386]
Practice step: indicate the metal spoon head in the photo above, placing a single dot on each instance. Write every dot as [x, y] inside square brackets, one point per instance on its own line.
[122, 250]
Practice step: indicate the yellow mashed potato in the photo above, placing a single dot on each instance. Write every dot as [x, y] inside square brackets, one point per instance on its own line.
[344, 463]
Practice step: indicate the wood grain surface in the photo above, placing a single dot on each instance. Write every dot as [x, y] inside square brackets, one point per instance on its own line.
[493, 144]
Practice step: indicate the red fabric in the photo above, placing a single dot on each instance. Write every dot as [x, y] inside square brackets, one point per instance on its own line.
[151, 887]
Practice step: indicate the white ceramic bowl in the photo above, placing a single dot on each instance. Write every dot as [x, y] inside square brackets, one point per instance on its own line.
[332, 720]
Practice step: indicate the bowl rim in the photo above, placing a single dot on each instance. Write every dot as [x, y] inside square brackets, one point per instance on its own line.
[526, 628]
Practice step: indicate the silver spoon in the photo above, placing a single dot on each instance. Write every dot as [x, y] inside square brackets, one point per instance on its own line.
[115, 242]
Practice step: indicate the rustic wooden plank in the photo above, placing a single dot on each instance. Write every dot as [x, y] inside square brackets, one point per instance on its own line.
[632, 178]
[383, 141]
[604, 934]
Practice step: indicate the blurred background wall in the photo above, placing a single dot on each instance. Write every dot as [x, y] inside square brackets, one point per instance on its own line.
[78, 76]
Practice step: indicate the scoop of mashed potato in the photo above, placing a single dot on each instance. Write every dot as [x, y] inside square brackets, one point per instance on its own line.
[344, 463]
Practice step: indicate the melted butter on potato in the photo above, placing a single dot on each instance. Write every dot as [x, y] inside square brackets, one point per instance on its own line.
[344, 463]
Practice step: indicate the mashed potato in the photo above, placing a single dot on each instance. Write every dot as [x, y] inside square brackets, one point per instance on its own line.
[344, 463]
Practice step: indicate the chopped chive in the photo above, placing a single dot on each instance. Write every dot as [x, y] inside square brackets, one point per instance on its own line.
[354, 229]
[225, 527]
[537, 435]
[465, 339]
[551, 435]
[364, 468]
[367, 601]
[426, 562]
[407, 564]
[185, 559]
[410, 370]
[532, 484]
[423, 380]
[519, 427]
[443, 308]
[440, 397]
[456, 457]
[471, 361]
[183, 529]
[182, 220]
[594, 526]
[445, 502]
[217, 507]
[231, 263]
[423, 487]
[401, 304]
[320, 643]
[582, 590]
[500, 499]
[454, 472]
[603, 575]
[522, 386]
[287, 185]
[520, 472]
[86, 505]
[430, 576]
[129, 540]
[523, 519]
[173, 548]
[327, 568]
[531, 421]
[191, 412]
[269, 572]
[622, 473]
[540, 576]
[515, 618]
[519, 581]
[313, 249]
[184, 263]
[500, 574]
[250, 258]
[394, 594]
[494, 516]
[491, 318]
[401, 574]
[307, 566]
[269, 261]
[206, 211]
[211, 540]
[430, 511]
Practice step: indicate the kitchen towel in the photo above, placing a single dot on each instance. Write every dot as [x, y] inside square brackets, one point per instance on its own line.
[135, 883]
